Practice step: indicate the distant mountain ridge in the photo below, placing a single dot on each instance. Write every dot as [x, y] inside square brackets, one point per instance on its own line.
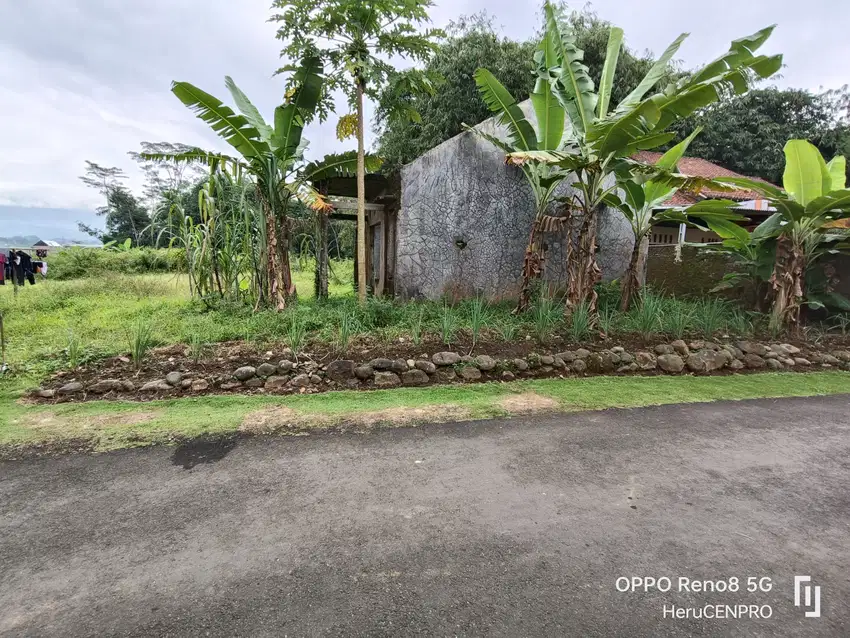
[57, 224]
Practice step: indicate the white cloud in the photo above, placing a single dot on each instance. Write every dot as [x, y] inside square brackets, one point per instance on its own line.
[89, 79]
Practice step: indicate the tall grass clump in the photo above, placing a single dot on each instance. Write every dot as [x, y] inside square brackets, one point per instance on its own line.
[295, 334]
[73, 350]
[141, 341]
[581, 323]
[347, 327]
[448, 325]
[543, 317]
[196, 347]
[477, 318]
[646, 317]
[416, 327]
[711, 316]
[677, 319]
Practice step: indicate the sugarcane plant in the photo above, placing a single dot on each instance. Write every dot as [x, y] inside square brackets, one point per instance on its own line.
[270, 156]
[580, 139]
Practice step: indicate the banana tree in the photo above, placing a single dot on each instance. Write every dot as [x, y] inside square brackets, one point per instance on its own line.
[640, 204]
[272, 155]
[812, 219]
[596, 141]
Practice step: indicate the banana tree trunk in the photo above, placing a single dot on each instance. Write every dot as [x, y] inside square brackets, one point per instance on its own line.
[635, 276]
[279, 281]
[361, 199]
[583, 272]
[532, 267]
[787, 284]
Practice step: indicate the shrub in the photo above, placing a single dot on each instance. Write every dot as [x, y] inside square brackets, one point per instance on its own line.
[79, 263]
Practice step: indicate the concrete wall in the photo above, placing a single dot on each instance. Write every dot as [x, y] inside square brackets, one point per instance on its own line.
[462, 192]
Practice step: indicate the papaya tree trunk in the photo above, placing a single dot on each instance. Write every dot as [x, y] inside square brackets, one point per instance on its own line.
[321, 256]
[635, 275]
[787, 284]
[361, 198]
[582, 270]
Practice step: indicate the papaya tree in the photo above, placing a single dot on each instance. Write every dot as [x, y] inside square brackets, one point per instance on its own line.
[581, 138]
[811, 220]
[272, 155]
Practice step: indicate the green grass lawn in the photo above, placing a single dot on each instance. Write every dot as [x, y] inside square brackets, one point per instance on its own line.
[111, 425]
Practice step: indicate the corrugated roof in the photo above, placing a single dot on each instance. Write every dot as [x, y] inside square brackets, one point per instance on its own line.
[698, 167]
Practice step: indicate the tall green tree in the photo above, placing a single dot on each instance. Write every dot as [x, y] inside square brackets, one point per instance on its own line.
[354, 37]
[747, 133]
[587, 137]
[471, 43]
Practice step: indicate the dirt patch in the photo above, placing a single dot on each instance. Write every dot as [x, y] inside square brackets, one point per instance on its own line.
[412, 416]
[271, 419]
[527, 402]
[49, 420]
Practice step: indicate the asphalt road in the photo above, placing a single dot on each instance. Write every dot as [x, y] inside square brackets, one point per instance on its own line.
[501, 528]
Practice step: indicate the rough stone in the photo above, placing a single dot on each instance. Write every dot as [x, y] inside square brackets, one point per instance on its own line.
[547, 360]
[411, 364]
[841, 355]
[520, 364]
[558, 362]
[605, 361]
[254, 382]
[105, 385]
[646, 361]
[199, 385]
[340, 370]
[625, 357]
[127, 385]
[578, 366]
[507, 375]
[467, 358]
[618, 349]
[485, 362]
[47, 394]
[800, 361]
[680, 347]
[446, 358]
[266, 370]
[695, 345]
[784, 349]
[470, 373]
[631, 367]
[827, 359]
[245, 372]
[749, 347]
[445, 375]
[707, 360]
[364, 372]
[568, 357]
[155, 386]
[671, 363]
[387, 380]
[426, 366]
[736, 352]
[174, 378]
[664, 348]
[414, 377]
[775, 364]
[70, 388]
[398, 366]
[231, 385]
[380, 364]
[736, 364]
[753, 361]
[770, 354]
[186, 384]
[285, 366]
[582, 353]
[315, 379]
[300, 381]
[276, 382]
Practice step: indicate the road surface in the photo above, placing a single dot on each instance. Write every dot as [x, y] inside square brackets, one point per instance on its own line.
[516, 527]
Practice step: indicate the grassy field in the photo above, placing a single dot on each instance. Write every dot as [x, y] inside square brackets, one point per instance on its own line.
[111, 425]
[97, 314]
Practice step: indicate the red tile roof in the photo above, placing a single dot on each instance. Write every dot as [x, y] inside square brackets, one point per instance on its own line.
[697, 167]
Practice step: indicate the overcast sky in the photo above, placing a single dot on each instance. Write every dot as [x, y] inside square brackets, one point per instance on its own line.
[89, 79]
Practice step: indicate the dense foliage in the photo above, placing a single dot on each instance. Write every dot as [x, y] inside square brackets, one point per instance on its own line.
[472, 42]
[747, 133]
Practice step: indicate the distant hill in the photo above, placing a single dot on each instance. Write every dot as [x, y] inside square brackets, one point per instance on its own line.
[58, 224]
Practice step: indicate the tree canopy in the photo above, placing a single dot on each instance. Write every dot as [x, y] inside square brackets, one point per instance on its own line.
[747, 133]
[473, 42]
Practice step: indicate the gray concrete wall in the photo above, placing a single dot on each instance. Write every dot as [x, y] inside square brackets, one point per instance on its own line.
[462, 192]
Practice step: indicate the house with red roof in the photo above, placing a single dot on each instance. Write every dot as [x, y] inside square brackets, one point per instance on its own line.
[752, 205]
